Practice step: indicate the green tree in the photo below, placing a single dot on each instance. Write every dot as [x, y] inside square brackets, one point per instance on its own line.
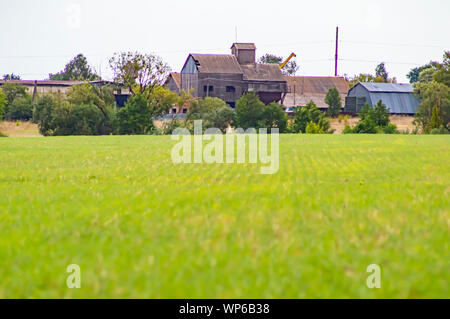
[2, 104]
[432, 95]
[139, 72]
[373, 120]
[249, 112]
[135, 117]
[274, 117]
[307, 114]
[381, 73]
[413, 76]
[333, 100]
[214, 113]
[21, 108]
[442, 75]
[291, 67]
[78, 69]
[13, 91]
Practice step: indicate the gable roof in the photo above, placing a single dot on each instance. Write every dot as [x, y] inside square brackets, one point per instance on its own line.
[176, 78]
[303, 89]
[263, 72]
[388, 87]
[216, 63]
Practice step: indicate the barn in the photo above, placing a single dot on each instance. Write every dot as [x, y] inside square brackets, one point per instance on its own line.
[228, 76]
[398, 98]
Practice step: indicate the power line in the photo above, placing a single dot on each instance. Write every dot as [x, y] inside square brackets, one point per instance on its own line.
[378, 61]
[394, 44]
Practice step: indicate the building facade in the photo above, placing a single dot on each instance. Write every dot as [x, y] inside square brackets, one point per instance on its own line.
[229, 76]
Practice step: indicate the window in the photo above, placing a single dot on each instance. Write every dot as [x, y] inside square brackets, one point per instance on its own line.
[174, 111]
[184, 111]
[232, 104]
[205, 88]
[231, 89]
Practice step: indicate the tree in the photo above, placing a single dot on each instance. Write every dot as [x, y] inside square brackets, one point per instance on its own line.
[135, 117]
[139, 72]
[2, 104]
[21, 108]
[161, 100]
[274, 117]
[77, 69]
[435, 98]
[373, 120]
[11, 77]
[13, 91]
[442, 75]
[291, 67]
[334, 102]
[307, 114]
[249, 112]
[214, 113]
[381, 73]
[413, 76]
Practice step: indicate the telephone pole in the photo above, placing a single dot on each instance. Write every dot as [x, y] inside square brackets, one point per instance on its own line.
[337, 53]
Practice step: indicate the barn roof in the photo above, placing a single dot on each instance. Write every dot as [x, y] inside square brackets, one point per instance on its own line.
[303, 89]
[388, 87]
[42, 82]
[176, 77]
[398, 98]
[217, 63]
[263, 72]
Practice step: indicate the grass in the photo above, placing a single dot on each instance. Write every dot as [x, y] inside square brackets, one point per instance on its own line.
[142, 227]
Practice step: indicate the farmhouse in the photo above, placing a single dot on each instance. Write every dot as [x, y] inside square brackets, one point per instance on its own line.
[398, 98]
[229, 76]
[303, 89]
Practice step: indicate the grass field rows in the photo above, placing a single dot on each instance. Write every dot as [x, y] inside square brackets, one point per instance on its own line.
[140, 226]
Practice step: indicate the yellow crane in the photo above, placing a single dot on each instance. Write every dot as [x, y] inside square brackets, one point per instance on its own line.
[293, 55]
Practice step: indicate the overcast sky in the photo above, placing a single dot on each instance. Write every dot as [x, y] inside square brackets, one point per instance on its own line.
[40, 37]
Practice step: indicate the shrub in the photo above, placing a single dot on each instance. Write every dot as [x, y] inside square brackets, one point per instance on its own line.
[21, 108]
[214, 113]
[3, 134]
[305, 115]
[439, 131]
[43, 113]
[70, 119]
[135, 117]
[390, 129]
[340, 118]
[313, 128]
[347, 129]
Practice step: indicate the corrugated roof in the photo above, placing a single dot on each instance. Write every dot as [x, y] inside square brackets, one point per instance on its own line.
[388, 87]
[396, 102]
[263, 72]
[43, 82]
[303, 89]
[244, 46]
[215, 63]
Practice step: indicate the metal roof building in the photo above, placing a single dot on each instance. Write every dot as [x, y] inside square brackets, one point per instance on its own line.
[398, 98]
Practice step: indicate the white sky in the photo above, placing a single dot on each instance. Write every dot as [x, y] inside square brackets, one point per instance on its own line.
[40, 37]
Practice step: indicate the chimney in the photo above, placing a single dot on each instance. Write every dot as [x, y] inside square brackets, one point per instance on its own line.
[244, 52]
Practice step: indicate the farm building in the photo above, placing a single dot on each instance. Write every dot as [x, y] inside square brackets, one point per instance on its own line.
[303, 89]
[173, 82]
[36, 87]
[229, 76]
[398, 98]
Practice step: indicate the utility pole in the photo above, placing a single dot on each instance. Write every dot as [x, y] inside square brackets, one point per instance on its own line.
[337, 53]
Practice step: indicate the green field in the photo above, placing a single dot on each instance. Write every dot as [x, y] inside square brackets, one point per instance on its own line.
[140, 226]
